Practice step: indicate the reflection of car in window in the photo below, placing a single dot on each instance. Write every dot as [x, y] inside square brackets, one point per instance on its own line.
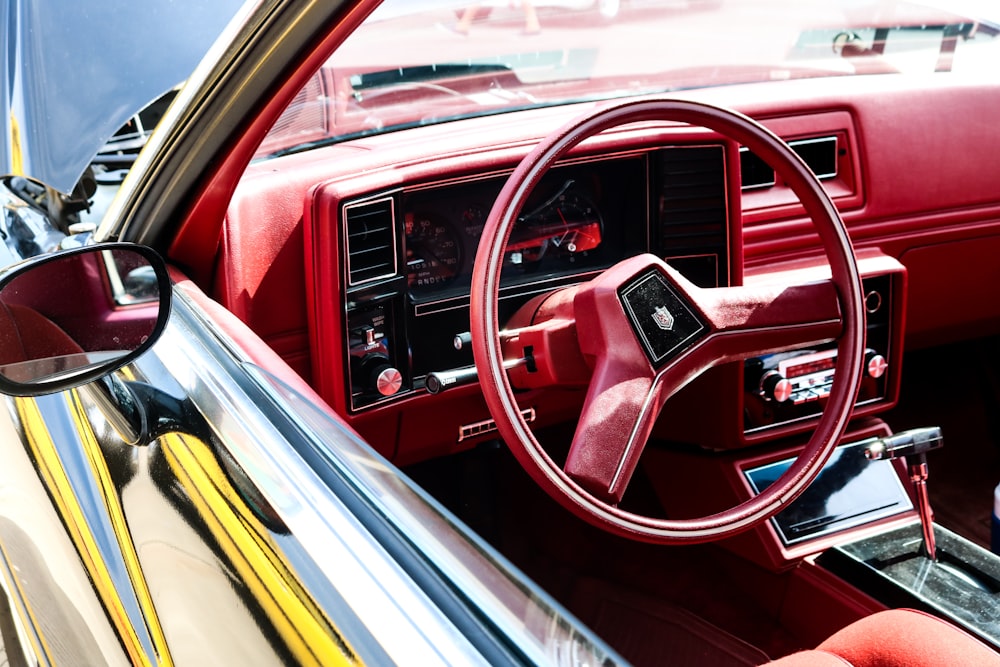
[638, 340]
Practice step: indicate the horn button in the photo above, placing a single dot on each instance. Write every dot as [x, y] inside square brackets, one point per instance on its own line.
[661, 318]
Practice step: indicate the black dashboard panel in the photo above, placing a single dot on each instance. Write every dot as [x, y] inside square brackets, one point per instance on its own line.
[583, 217]
[806, 375]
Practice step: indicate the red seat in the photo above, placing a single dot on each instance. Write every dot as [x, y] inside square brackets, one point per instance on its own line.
[26, 335]
[897, 638]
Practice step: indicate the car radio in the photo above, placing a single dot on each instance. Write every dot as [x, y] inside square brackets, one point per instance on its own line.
[789, 386]
[804, 376]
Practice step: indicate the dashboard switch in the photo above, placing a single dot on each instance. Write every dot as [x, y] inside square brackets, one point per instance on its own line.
[463, 340]
[388, 381]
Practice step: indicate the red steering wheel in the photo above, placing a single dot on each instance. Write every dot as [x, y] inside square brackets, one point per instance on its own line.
[639, 332]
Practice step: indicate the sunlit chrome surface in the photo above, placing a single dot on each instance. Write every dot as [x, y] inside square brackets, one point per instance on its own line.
[226, 544]
[49, 543]
[545, 632]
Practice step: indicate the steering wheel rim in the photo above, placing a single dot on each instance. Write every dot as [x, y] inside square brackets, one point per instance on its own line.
[488, 352]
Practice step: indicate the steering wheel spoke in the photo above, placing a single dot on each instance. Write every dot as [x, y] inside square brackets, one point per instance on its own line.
[617, 417]
[762, 319]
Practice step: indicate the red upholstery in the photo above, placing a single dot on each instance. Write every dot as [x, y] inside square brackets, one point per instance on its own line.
[897, 638]
[26, 335]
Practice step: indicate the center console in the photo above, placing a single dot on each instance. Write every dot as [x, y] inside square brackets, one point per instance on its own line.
[962, 585]
[859, 511]
[766, 398]
[784, 391]
[850, 491]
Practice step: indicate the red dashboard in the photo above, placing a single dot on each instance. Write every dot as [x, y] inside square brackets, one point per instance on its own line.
[360, 276]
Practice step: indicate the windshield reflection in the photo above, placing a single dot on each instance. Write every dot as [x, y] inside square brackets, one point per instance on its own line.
[431, 62]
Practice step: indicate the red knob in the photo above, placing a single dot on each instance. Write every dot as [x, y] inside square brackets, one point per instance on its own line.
[775, 386]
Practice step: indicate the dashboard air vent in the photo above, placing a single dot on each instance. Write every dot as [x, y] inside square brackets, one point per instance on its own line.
[819, 153]
[693, 213]
[754, 172]
[370, 232]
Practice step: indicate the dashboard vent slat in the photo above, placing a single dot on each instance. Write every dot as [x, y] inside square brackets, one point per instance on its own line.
[693, 212]
[370, 232]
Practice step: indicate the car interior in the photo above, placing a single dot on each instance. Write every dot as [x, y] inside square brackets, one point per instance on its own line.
[354, 262]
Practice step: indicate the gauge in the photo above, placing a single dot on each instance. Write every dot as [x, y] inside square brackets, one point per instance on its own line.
[473, 219]
[433, 252]
[566, 224]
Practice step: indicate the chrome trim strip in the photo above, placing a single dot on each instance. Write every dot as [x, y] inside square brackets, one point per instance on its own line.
[350, 575]
[349, 559]
[474, 429]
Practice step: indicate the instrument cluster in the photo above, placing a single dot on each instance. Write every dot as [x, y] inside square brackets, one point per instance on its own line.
[580, 218]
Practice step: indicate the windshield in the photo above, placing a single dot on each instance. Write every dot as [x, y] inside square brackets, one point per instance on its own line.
[417, 63]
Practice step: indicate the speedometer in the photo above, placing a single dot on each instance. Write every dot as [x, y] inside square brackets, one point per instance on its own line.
[566, 224]
[433, 252]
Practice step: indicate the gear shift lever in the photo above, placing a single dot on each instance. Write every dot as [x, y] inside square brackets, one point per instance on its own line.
[914, 445]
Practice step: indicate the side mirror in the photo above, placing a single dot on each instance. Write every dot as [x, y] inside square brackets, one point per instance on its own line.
[70, 317]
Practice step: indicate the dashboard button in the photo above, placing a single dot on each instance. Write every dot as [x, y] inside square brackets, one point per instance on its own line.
[876, 366]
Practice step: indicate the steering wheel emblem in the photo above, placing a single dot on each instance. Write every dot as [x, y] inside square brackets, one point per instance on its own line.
[664, 323]
[663, 318]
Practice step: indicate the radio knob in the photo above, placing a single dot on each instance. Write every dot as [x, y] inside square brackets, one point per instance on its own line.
[775, 387]
[875, 365]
